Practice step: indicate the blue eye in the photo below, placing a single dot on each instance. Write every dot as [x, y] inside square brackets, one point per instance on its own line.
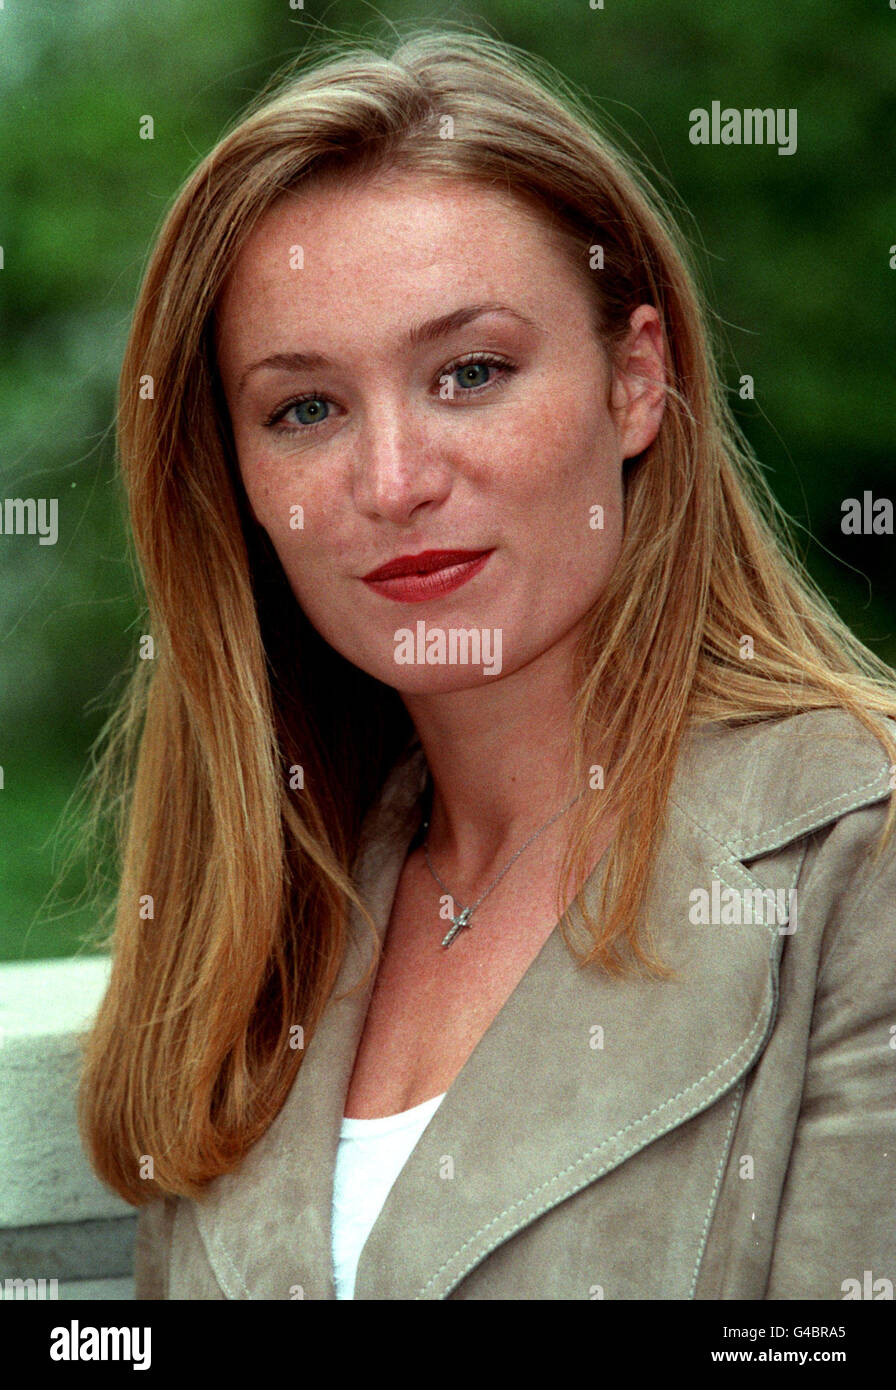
[467, 375]
[315, 407]
[312, 409]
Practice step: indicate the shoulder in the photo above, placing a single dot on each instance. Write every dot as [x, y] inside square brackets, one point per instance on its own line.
[799, 805]
[751, 787]
[759, 786]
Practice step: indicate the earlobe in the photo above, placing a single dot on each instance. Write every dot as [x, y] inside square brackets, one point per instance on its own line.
[644, 417]
[641, 382]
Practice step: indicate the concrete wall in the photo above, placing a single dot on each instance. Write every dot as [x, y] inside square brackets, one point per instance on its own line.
[57, 1221]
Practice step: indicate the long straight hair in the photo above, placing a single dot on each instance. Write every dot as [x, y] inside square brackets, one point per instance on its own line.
[234, 887]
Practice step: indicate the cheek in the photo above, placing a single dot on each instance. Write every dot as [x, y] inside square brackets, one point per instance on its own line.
[258, 479]
[287, 503]
[569, 463]
[575, 472]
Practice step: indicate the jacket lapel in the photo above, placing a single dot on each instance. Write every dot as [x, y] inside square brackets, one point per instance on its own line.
[546, 1103]
[575, 1074]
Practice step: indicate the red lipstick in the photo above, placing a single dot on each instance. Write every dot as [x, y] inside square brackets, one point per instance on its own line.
[415, 578]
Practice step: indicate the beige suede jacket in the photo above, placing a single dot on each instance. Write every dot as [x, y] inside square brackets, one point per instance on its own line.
[729, 1134]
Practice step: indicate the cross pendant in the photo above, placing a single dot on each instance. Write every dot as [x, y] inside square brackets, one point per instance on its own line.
[457, 923]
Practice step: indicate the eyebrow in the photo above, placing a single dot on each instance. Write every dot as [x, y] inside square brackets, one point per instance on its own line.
[428, 332]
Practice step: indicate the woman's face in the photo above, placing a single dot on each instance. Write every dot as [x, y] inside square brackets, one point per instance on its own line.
[411, 370]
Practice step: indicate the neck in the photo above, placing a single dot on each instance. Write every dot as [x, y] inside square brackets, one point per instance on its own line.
[500, 757]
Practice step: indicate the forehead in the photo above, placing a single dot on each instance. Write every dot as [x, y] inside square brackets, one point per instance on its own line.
[395, 241]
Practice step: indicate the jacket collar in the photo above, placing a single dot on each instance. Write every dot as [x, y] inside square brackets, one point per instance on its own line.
[576, 1110]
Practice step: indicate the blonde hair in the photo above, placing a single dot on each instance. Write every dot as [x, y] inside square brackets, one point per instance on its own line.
[189, 1059]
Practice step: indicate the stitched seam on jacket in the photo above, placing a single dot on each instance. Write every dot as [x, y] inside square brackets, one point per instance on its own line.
[584, 1158]
[773, 927]
[726, 1146]
[799, 868]
[757, 846]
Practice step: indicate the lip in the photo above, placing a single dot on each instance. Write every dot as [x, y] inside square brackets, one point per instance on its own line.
[424, 563]
[415, 578]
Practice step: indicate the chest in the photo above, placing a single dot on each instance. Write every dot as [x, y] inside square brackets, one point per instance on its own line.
[431, 1005]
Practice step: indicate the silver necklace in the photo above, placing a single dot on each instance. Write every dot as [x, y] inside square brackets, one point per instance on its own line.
[460, 920]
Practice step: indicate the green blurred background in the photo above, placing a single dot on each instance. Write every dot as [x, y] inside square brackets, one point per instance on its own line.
[795, 252]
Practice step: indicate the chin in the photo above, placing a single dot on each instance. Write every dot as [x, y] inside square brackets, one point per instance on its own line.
[428, 681]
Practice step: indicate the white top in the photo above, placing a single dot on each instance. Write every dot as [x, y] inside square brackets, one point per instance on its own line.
[370, 1156]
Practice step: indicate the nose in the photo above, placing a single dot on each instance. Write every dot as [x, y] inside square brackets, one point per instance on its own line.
[398, 465]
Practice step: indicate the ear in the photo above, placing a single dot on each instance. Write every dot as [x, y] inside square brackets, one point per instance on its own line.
[638, 396]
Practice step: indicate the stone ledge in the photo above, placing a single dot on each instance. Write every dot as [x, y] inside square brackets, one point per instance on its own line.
[57, 1220]
[78, 1290]
[64, 1250]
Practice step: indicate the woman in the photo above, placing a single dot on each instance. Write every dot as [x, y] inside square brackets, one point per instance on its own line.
[507, 907]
